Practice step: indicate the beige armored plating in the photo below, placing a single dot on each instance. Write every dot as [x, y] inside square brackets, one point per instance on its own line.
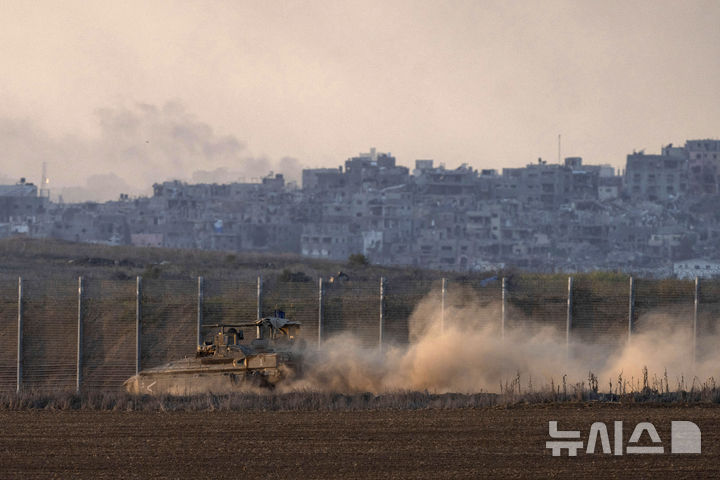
[224, 364]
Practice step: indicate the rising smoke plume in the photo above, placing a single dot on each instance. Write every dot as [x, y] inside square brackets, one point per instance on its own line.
[134, 147]
[466, 354]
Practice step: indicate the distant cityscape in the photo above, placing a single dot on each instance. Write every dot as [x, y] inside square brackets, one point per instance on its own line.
[658, 217]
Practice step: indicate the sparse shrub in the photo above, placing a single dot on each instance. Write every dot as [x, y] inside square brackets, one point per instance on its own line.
[290, 276]
[152, 271]
[114, 400]
[120, 275]
[593, 382]
[358, 260]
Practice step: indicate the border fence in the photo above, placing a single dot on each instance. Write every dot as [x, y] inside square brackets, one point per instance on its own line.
[85, 334]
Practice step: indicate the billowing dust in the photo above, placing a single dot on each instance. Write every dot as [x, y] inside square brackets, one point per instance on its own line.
[465, 351]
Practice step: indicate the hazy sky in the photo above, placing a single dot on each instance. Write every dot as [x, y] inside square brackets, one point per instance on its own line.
[132, 92]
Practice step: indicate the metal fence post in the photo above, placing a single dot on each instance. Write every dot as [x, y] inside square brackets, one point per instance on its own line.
[631, 308]
[320, 310]
[78, 376]
[200, 303]
[695, 319]
[382, 311]
[138, 323]
[568, 325]
[442, 305]
[259, 298]
[19, 373]
[503, 308]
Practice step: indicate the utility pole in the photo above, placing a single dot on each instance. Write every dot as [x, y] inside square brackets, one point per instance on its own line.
[559, 155]
[631, 309]
[78, 376]
[19, 373]
[442, 305]
[138, 323]
[320, 311]
[382, 311]
[200, 306]
[503, 308]
[568, 324]
[259, 299]
[695, 319]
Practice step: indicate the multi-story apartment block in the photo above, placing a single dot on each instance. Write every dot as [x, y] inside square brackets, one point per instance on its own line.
[21, 208]
[703, 158]
[656, 178]
[544, 216]
[540, 184]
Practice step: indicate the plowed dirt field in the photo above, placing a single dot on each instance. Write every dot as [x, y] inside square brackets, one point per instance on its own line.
[488, 442]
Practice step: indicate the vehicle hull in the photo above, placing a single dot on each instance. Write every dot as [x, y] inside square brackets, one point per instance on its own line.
[191, 377]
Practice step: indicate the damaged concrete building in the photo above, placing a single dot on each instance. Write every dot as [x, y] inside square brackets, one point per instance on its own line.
[545, 217]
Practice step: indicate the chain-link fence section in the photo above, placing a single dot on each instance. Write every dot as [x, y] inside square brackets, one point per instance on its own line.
[708, 314]
[83, 334]
[8, 333]
[227, 301]
[475, 302]
[405, 299]
[108, 332]
[168, 320]
[49, 350]
[666, 304]
[352, 307]
[535, 304]
[599, 311]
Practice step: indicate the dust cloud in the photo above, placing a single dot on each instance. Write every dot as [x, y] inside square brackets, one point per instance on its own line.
[466, 352]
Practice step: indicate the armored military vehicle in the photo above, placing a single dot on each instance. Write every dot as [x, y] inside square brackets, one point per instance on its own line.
[225, 364]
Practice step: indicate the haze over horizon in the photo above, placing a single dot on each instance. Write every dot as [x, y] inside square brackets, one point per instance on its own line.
[115, 97]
